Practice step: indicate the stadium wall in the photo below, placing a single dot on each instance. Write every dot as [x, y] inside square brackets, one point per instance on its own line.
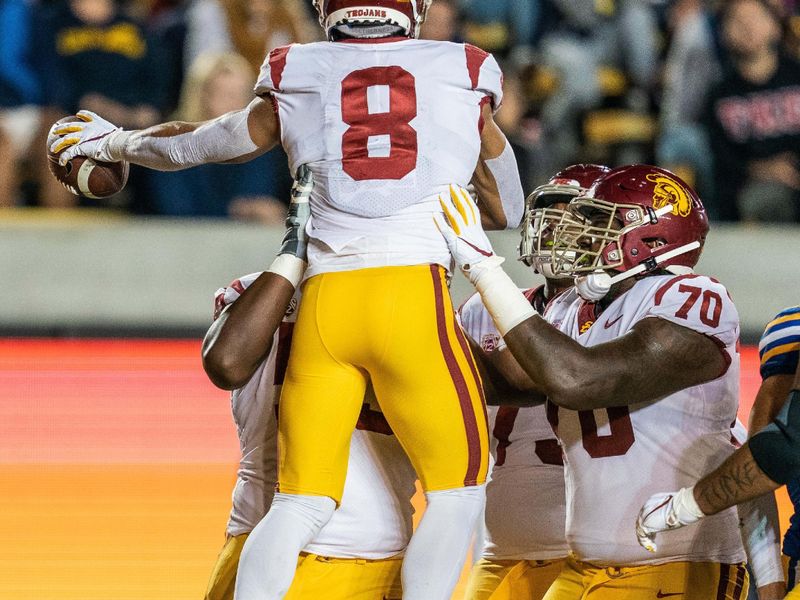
[97, 274]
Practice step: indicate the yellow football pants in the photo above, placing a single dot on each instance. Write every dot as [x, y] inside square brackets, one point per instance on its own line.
[512, 579]
[223, 575]
[681, 580]
[395, 327]
[317, 577]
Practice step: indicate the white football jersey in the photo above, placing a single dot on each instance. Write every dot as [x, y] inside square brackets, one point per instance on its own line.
[617, 458]
[374, 518]
[525, 498]
[385, 126]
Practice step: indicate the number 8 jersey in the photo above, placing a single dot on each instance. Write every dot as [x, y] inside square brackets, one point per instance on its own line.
[385, 126]
[616, 458]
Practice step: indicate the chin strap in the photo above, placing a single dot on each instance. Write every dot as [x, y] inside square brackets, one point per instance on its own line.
[594, 286]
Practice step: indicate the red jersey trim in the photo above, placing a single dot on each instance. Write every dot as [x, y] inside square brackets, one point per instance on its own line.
[277, 63]
[475, 59]
[481, 121]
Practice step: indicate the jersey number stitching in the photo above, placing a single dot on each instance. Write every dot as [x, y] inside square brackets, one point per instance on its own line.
[402, 159]
[548, 451]
[708, 316]
[617, 443]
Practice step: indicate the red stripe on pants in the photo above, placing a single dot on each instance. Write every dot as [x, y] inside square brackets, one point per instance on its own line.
[460, 383]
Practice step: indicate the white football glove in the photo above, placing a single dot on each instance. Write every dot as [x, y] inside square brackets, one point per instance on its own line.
[88, 137]
[460, 224]
[663, 512]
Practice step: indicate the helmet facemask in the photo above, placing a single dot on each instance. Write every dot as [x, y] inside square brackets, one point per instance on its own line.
[538, 226]
[591, 238]
[590, 244]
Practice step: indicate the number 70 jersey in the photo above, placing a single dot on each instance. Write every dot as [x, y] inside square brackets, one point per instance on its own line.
[385, 126]
[616, 458]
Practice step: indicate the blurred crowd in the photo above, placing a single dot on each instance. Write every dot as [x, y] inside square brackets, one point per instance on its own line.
[709, 89]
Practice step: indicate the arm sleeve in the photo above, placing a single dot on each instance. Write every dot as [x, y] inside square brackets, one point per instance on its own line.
[761, 538]
[776, 448]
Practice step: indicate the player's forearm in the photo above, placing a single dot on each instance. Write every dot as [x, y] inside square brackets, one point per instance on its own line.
[737, 480]
[175, 146]
[499, 389]
[557, 365]
[655, 359]
[241, 338]
[497, 180]
[770, 399]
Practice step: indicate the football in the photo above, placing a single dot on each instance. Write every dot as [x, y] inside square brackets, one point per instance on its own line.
[87, 177]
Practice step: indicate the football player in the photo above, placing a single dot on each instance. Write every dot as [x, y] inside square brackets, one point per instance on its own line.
[385, 122]
[761, 466]
[357, 555]
[524, 549]
[645, 385]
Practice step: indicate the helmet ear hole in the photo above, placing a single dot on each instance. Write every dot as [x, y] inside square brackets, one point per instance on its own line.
[654, 243]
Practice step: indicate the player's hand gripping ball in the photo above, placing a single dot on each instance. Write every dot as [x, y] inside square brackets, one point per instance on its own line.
[71, 143]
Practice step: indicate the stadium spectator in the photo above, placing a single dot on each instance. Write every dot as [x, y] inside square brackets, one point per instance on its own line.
[505, 27]
[248, 27]
[92, 55]
[586, 36]
[19, 91]
[215, 85]
[691, 69]
[753, 119]
[166, 21]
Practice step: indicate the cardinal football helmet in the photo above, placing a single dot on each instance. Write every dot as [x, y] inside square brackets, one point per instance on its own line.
[634, 220]
[408, 15]
[540, 216]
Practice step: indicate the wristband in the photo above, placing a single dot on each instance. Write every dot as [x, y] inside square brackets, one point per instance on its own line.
[115, 145]
[289, 267]
[685, 506]
[500, 295]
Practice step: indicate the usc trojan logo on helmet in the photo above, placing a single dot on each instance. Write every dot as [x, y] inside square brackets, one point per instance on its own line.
[668, 191]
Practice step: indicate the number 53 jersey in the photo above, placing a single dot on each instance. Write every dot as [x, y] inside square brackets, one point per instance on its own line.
[616, 458]
[385, 126]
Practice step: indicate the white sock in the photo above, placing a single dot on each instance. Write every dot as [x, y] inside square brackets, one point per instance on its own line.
[438, 549]
[269, 557]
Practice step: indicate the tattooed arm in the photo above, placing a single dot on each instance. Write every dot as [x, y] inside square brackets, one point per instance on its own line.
[762, 465]
[737, 480]
[750, 473]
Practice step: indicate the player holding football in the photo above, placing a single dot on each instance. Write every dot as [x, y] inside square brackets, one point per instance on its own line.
[770, 459]
[386, 123]
[524, 549]
[357, 555]
[644, 385]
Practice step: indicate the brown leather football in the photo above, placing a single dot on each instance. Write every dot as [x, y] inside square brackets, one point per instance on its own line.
[87, 177]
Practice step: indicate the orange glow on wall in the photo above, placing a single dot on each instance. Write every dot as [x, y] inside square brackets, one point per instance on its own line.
[117, 459]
